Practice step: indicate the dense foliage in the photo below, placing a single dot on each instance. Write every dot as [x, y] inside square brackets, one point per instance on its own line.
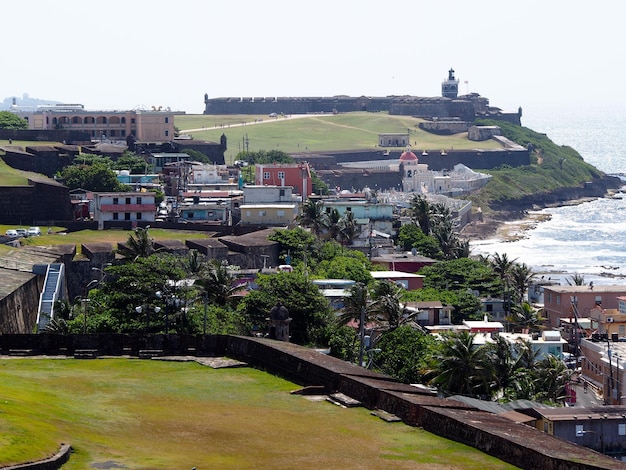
[9, 120]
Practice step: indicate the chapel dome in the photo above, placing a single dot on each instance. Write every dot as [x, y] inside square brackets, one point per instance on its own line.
[408, 156]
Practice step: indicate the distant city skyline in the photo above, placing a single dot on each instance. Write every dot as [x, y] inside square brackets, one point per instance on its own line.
[126, 55]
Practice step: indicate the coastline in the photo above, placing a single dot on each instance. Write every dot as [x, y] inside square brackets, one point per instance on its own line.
[511, 219]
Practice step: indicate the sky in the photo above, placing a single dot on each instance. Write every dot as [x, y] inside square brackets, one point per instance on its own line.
[128, 54]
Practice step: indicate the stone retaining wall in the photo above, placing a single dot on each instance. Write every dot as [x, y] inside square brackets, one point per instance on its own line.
[518, 444]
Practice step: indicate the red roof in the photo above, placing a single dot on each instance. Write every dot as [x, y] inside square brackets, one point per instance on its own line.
[408, 156]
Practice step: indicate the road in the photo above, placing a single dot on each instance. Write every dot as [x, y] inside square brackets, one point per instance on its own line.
[258, 121]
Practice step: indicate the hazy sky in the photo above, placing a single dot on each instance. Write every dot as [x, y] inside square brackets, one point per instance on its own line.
[142, 53]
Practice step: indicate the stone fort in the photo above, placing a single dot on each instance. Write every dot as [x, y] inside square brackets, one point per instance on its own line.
[445, 107]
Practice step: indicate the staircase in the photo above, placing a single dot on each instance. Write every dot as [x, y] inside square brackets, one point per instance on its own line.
[52, 291]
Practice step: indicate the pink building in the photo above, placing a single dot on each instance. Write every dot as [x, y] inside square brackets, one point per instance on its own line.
[297, 175]
[559, 301]
[133, 207]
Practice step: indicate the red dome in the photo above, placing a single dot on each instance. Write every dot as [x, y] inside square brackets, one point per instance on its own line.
[408, 156]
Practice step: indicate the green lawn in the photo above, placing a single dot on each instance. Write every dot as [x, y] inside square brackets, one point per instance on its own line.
[142, 414]
[95, 236]
[316, 132]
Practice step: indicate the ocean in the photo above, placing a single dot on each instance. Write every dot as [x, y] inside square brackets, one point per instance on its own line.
[587, 239]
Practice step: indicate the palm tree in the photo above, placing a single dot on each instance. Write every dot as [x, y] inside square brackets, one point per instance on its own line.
[461, 367]
[218, 283]
[333, 223]
[313, 216]
[576, 280]
[552, 377]
[388, 304]
[521, 275]
[525, 316]
[139, 245]
[349, 228]
[420, 212]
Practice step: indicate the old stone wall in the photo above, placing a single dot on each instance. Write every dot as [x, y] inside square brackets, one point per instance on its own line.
[518, 444]
[18, 309]
[39, 201]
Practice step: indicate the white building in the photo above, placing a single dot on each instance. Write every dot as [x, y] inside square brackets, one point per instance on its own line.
[129, 207]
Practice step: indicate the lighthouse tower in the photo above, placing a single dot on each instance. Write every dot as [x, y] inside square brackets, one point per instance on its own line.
[450, 87]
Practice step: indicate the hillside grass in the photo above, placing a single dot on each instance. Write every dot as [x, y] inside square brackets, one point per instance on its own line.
[316, 132]
[142, 414]
[552, 166]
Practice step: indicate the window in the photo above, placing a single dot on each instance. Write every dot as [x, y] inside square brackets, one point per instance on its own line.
[116, 216]
[262, 213]
[167, 120]
[139, 200]
[138, 215]
[115, 201]
[489, 307]
[281, 192]
[621, 429]
[281, 175]
[167, 133]
[247, 213]
[598, 299]
[558, 300]
[132, 120]
[280, 213]
[266, 175]
[127, 216]
[128, 201]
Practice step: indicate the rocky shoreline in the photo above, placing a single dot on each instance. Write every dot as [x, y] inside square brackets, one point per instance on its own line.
[496, 224]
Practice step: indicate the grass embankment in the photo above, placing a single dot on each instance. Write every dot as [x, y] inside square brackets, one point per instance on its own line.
[125, 413]
[552, 167]
[317, 132]
[60, 237]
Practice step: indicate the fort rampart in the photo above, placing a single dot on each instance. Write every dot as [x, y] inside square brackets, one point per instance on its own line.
[518, 444]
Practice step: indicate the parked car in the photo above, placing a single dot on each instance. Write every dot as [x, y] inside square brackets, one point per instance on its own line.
[21, 232]
[34, 232]
[12, 234]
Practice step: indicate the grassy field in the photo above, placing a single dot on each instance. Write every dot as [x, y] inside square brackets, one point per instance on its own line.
[141, 414]
[315, 132]
[94, 236]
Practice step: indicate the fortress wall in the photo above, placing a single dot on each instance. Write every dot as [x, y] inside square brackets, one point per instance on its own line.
[18, 311]
[521, 445]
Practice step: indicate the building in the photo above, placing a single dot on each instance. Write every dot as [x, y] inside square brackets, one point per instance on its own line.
[405, 262]
[549, 342]
[133, 207]
[253, 194]
[432, 313]
[601, 429]
[297, 175]
[406, 280]
[267, 214]
[401, 139]
[603, 365]
[144, 125]
[578, 301]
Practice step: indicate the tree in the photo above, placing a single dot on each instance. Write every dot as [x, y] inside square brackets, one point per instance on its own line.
[112, 306]
[350, 264]
[521, 276]
[358, 307]
[411, 236]
[552, 376]
[402, 353]
[462, 367]
[388, 303]
[139, 245]
[348, 228]
[576, 280]
[9, 120]
[218, 283]
[420, 212]
[524, 316]
[96, 177]
[132, 162]
[313, 216]
[308, 308]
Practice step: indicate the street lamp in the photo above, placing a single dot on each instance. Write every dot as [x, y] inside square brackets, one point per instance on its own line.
[147, 308]
[85, 300]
